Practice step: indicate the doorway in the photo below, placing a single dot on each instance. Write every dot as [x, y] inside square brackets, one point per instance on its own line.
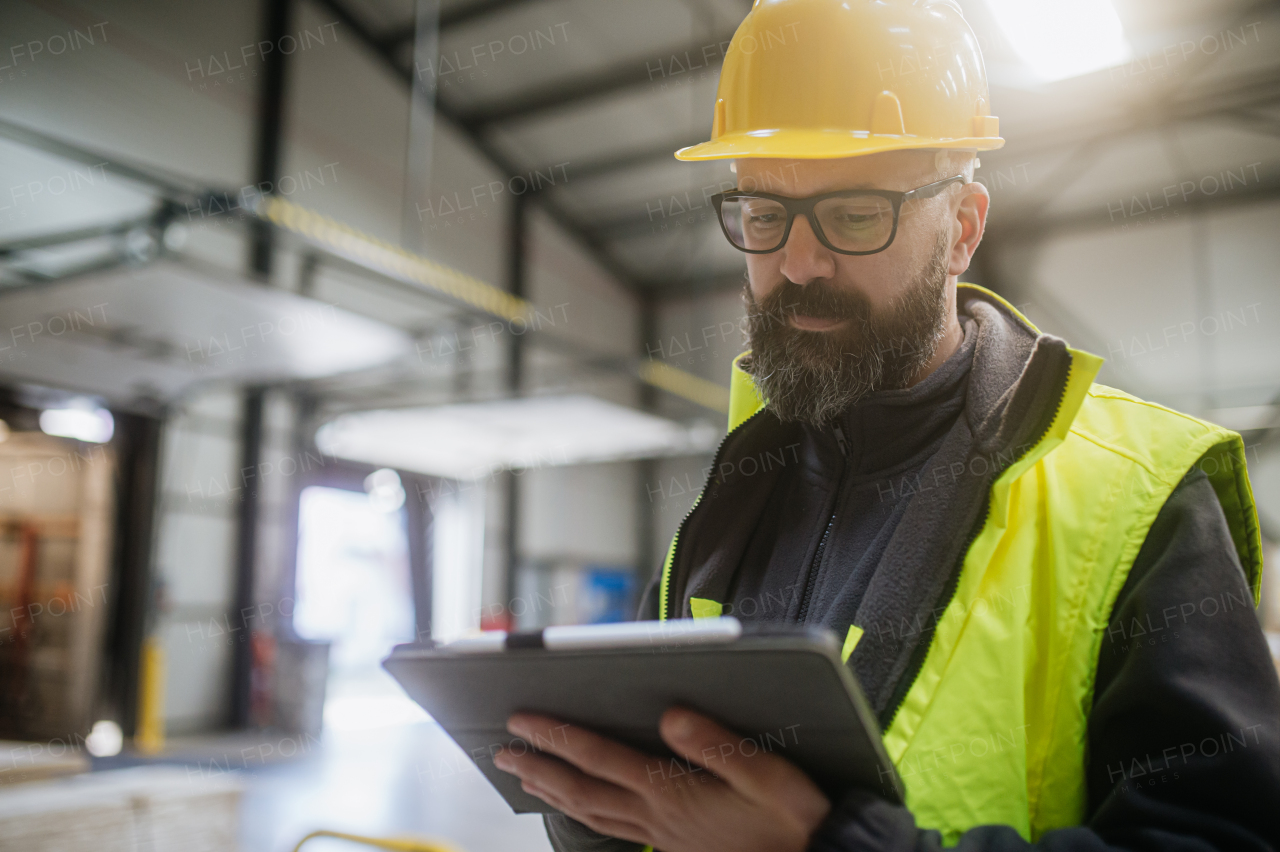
[354, 590]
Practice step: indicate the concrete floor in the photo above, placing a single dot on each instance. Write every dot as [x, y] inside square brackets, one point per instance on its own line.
[401, 779]
[381, 768]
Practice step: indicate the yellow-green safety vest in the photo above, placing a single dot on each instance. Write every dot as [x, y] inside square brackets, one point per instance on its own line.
[993, 729]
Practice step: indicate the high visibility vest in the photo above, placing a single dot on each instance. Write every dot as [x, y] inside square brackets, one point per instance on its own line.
[993, 728]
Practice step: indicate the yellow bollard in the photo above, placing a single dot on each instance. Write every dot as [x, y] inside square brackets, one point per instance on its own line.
[396, 844]
[149, 736]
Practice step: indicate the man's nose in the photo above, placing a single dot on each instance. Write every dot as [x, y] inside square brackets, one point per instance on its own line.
[803, 257]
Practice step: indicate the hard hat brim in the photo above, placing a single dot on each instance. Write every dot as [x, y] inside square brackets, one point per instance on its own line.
[792, 144]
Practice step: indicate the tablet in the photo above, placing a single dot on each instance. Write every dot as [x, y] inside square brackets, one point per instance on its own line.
[782, 688]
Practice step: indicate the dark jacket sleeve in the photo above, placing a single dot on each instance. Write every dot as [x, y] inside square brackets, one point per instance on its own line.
[1184, 734]
[569, 835]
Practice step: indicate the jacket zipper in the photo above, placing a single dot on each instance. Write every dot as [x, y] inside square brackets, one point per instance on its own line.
[953, 581]
[812, 580]
[665, 611]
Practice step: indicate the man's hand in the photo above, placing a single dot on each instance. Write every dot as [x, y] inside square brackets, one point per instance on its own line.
[726, 794]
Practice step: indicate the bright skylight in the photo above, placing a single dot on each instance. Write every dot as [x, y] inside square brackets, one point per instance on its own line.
[1063, 38]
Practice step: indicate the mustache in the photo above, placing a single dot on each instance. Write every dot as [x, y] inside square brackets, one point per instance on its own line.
[815, 299]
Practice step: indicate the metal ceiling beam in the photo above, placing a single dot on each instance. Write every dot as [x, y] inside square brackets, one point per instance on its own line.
[642, 224]
[1256, 122]
[630, 160]
[633, 73]
[1241, 92]
[1163, 108]
[1103, 217]
[465, 13]
[171, 187]
[490, 151]
[111, 229]
[462, 13]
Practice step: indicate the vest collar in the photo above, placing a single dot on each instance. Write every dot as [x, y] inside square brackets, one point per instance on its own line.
[1025, 389]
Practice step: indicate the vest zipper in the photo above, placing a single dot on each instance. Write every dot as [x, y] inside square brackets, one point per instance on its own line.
[953, 581]
[812, 579]
[664, 611]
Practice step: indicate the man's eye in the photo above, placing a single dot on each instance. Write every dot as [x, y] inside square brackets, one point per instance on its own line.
[856, 220]
[763, 218]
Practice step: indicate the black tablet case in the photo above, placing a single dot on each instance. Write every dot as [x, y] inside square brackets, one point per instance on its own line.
[786, 690]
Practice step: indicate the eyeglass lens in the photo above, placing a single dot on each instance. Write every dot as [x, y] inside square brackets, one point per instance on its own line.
[850, 223]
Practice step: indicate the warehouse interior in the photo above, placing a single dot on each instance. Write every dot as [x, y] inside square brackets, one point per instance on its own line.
[329, 325]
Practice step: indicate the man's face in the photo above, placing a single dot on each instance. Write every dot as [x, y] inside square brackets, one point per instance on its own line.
[827, 328]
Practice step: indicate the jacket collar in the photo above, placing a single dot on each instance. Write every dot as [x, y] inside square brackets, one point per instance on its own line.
[1011, 359]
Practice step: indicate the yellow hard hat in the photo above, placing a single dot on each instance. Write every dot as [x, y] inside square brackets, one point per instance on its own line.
[811, 79]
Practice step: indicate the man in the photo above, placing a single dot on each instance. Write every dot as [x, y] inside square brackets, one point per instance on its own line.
[1046, 585]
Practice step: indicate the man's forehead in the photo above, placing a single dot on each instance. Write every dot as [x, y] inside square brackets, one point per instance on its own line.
[886, 170]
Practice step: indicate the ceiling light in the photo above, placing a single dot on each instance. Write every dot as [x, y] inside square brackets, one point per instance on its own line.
[1063, 38]
[92, 425]
[470, 441]
[385, 491]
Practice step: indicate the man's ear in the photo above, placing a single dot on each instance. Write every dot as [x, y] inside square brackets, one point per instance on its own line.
[968, 226]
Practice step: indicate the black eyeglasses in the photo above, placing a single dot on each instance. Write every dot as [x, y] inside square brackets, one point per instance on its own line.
[852, 221]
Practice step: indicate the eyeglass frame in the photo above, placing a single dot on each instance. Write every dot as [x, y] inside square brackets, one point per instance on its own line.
[804, 206]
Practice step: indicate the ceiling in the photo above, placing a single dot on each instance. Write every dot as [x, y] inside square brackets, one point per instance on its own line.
[606, 90]
[592, 97]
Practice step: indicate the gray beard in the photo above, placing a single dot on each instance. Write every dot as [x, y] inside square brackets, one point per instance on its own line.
[813, 376]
